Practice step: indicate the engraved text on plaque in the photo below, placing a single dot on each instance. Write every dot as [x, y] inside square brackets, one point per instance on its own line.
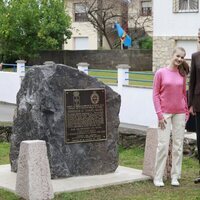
[85, 115]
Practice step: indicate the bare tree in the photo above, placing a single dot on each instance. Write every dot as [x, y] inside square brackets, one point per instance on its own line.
[139, 20]
[102, 14]
[138, 28]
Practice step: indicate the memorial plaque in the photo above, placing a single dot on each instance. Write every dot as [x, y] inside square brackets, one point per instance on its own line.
[85, 115]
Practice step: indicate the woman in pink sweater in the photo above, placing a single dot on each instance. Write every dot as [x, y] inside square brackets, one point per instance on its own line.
[170, 102]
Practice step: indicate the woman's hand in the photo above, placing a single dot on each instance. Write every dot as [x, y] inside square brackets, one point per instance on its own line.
[191, 110]
[161, 124]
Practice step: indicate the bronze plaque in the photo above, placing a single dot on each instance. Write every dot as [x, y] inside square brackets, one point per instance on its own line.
[85, 115]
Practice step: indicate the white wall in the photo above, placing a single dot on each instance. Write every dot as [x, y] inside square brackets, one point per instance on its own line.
[189, 46]
[167, 23]
[137, 106]
[9, 86]
[136, 103]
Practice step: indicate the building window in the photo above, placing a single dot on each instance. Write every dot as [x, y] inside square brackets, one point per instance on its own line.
[146, 8]
[81, 43]
[80, 12]
[186, 6]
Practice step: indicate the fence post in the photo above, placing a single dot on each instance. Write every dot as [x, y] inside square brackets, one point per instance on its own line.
[122, 74]
[33, 175]
[83, 66]
[21, 68]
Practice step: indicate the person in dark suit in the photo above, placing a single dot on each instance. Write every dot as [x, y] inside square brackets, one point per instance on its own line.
[191, 123]
[194, 93]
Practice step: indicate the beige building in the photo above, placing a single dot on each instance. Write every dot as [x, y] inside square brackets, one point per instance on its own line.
[85, 36]
[175, 23]
[140, 15]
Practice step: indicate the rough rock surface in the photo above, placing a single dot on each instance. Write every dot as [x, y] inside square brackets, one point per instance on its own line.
[40, 116]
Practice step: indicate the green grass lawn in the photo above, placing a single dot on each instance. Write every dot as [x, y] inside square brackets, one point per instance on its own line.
[6, 123]
[136, 78]
[134, 191]
[4, 153]
[9, 69]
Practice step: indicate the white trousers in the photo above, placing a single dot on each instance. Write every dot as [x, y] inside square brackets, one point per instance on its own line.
[176, 124]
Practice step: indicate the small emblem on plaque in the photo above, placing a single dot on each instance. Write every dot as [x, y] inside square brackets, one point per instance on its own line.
[94, 97]
[76, 98]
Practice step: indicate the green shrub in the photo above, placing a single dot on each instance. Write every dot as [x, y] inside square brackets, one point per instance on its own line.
[146, 43]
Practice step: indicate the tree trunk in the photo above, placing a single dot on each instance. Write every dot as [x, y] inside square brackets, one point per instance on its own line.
[108, 40]
[99, 17]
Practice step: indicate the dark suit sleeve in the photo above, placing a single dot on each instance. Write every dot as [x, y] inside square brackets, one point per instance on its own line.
[192, 81]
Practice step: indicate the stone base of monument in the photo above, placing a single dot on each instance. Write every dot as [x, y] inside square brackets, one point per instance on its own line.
[122, 175]
[33, 176]
[150, 154]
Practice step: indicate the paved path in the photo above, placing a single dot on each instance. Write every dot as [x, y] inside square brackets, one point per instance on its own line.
[142, 130]
[120, 176]
[6, 112]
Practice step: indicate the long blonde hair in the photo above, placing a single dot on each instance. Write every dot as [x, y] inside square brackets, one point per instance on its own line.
[184, 67]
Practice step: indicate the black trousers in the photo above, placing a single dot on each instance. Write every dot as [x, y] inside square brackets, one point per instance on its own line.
[198, 133]
[191, 124]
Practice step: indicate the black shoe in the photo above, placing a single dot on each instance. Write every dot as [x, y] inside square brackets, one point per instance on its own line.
[197, 180]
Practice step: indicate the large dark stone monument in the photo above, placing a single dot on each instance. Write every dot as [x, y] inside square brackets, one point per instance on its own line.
[44, 113]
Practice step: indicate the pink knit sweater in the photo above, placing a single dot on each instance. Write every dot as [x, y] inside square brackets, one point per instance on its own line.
[169, 93]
